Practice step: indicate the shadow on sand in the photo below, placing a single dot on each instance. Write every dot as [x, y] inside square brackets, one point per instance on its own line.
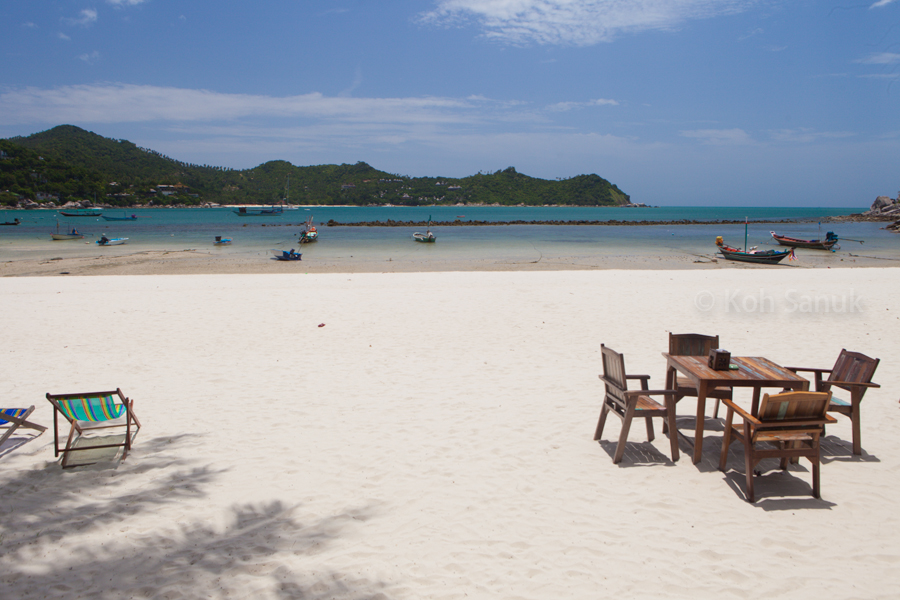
[249, 557]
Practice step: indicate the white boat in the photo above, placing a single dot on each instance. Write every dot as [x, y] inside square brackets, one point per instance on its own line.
[105, 241]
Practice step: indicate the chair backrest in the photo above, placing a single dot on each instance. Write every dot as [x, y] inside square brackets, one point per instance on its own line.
[692, 344]
[614, 374]
[790, 407]
[12, 412]
[95, 407]
[854, 368]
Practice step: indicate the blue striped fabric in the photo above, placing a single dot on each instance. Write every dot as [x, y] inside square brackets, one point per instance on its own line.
[12, 412]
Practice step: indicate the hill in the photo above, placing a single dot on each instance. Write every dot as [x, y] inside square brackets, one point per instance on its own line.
[75, 164]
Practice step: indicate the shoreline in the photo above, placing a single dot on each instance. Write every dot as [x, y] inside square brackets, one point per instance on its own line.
[203, 262]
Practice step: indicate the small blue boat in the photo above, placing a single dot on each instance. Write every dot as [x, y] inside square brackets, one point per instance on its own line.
[286, 255]
[131, 218]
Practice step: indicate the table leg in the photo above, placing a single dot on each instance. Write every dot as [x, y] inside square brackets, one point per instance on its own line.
[754, 407]
[670, 385]
[701, 417]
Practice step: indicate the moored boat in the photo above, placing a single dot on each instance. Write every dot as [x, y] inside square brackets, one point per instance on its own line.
[83, 212]
[763, 257]
[124, 218]
[106, 241]
[71, 235]
[829, 243]
[310, 234]
[243, 211]
[16, 222]
[222, 241]
[426, 237]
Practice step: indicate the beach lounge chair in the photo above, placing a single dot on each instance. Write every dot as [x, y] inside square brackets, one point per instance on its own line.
[789, 426]
[90, 412]
[628, 404]
[853, 373]
[13, 418]
[695, 344]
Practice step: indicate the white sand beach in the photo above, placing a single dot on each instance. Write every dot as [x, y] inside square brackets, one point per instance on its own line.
[433, 440]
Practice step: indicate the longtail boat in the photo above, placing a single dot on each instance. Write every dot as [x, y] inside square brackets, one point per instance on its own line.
[831, 239]
[763, 257]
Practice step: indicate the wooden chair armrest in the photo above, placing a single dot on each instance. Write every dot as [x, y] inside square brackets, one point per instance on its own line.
[831, 420]
[651, 393]
[637, 377]
[743, 413]
[852, 383]
[820, 371]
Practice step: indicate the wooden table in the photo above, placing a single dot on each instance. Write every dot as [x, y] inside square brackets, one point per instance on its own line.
[755, 372]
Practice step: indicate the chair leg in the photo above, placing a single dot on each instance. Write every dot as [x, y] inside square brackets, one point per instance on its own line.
[854, 419]
[623, 435]
[726, 443]
[815, 475]
[716, 410]
[601, 422]
[748, 462]
[650, 434]
[66, 450]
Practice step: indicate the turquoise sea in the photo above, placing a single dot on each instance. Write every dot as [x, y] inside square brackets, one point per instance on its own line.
[177, 229]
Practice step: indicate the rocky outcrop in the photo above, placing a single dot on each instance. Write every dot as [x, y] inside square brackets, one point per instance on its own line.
[885, 207]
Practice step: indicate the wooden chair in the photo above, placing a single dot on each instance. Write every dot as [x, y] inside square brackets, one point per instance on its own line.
[90, 412]
[791, 421]
[628, 404]
[853, 373]
[13, 418]
[695, 344]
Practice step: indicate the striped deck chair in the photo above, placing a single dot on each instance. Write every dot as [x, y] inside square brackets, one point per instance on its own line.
[90, 412]
[13, 418]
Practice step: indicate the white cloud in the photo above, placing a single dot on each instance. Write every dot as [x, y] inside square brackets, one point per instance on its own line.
[86, 17]
[566, 106]
[574, 22]
[882, 58]
[119, 103]
[29, 25]
[63, 36]
[719, 137]
[125, 2]
[881, 3]
[89, 58]
[806, 136]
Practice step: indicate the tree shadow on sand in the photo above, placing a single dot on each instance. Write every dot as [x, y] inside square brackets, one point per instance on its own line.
[45, 512]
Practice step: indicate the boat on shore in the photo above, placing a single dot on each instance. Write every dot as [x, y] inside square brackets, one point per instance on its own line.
[123, 218]
[107, 241]
[222, 241]
[310, 234]
[244, 211]
[762, 257]
[286, 255]
[84, 212]
[829, 243]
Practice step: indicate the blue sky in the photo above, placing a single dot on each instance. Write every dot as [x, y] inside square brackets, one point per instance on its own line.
[678, 102]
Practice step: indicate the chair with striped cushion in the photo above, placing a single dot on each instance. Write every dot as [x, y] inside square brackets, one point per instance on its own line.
[13, 418]
[91, 412]
[789, 426]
